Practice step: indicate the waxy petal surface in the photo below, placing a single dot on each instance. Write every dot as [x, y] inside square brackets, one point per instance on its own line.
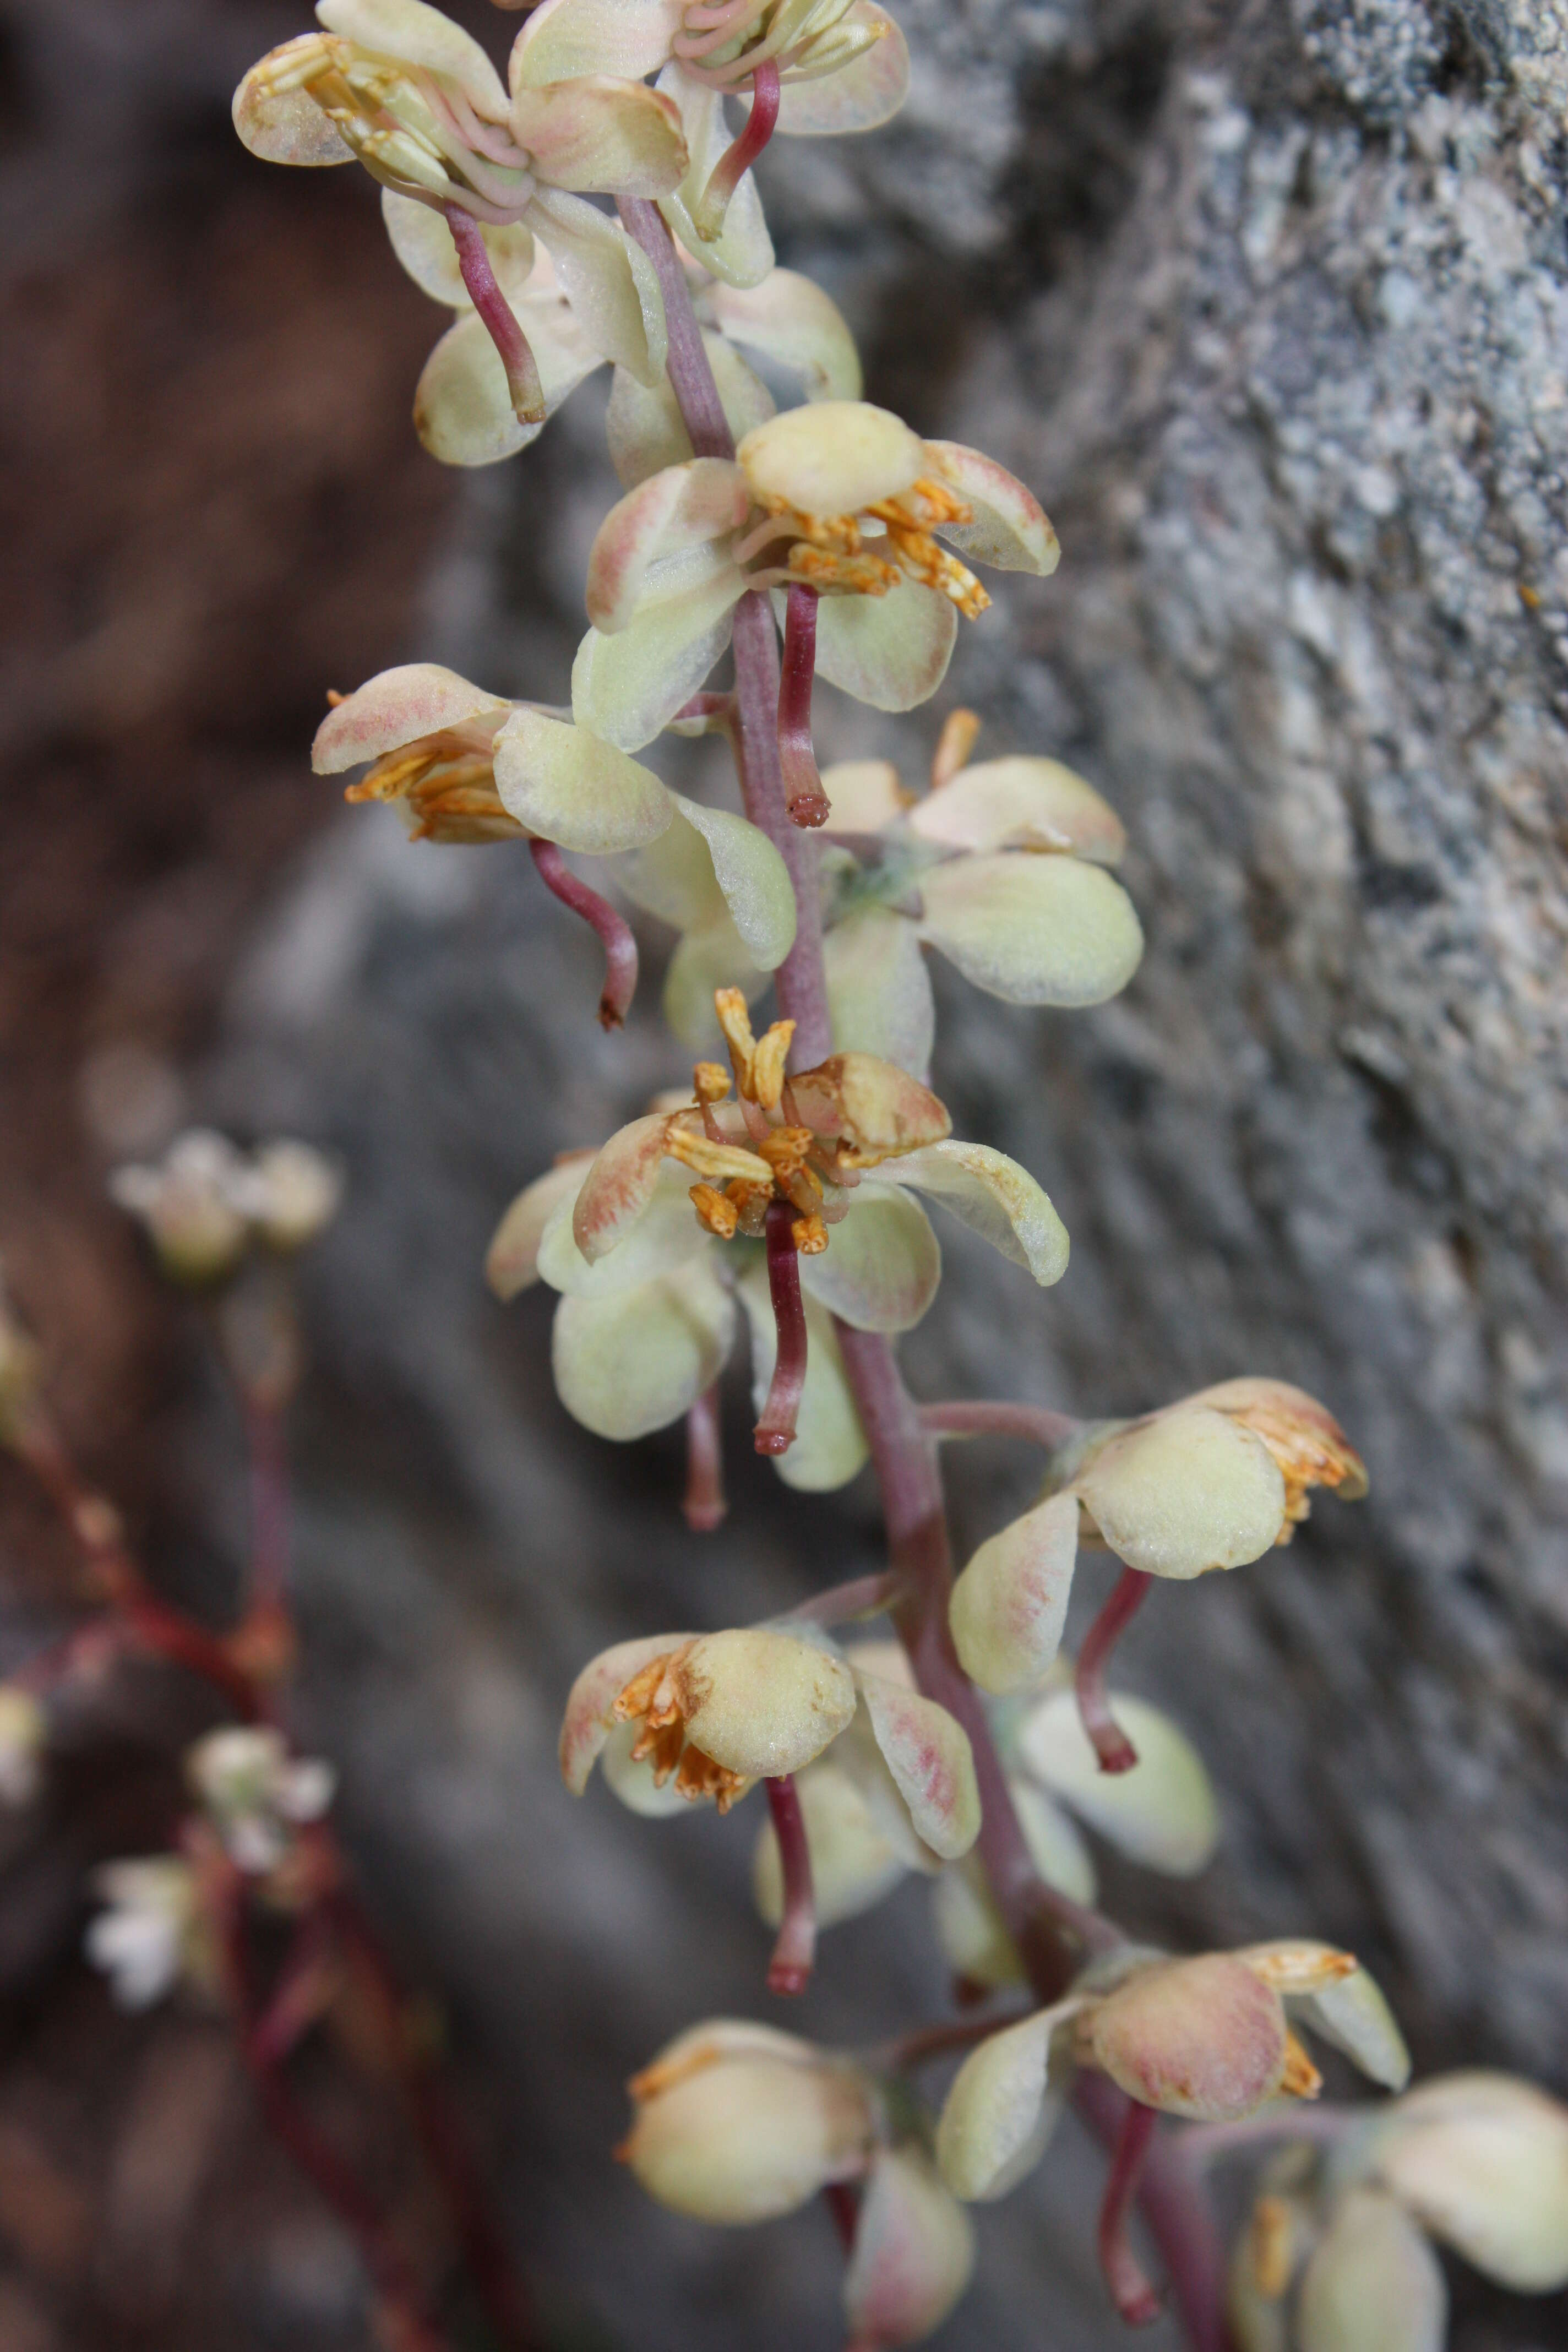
[1010, 531]
[1373, 2284]
[511, 1262]
[463, 409]
[913, 2252]
[628, 687]
[422, 244]
[587, 1721]
[1482, 2160]
[992, 2113]
[567, 38]
[1163, 1813]
[889, 651]
[601, 136]
[397, 707]
[868, 91]
[709, 958]
[636, 1362]
[1008, 1608]
[644, 428]
[879, 997]
[928, 1753]
[852, 1864]
[875, 1107]
[1187, 1492]
[619, 1185]
[1032, 930]
[665, 1237]
[610, 282]
[793, 322]
[882, 1264]
[1022, 803]
[996, 1199]
[415, 35]
[763, 1702]
[831, 457]
[569, 787]
[743, 253]
[751, 878]
[684, 507]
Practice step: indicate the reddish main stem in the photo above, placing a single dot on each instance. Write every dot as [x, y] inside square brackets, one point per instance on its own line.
[1111, 1745]
[789, 1970]
[704, 1505]
[499, 318]
[1131, 2292]
[981, 1417]
[620, 947]
[805, 799]
[775, 1430]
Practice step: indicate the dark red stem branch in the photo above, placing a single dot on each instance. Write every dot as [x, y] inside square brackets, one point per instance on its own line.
[1178, 2212]
[981, 1417]
[805, 799]
[789, 1970]
[704, 1505]
[499, 319]
[707, 213]
[775, 1430]
[620, 947]
[1111, 1745]
[1131, 2292]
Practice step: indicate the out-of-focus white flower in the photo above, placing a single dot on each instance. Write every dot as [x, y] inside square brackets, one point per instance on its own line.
[1480, 2159]
[191, 1204]
[256, 1794]
[913, 2255]
[23, 1733]
[736, 2123]
[296, 1191]
[149, 1937]
[839, 497]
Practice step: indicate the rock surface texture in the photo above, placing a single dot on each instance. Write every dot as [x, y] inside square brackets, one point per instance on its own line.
[1269, 304]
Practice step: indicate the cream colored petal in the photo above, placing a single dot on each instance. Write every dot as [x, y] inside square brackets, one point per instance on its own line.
[511, 1262]
[749, 2138]
[1056, 1848]
[852, 1864]
[1202, 2038]
[627, 688]
[830, 1444]
[752, 879]
[397, 707]
[971, 1931]
[1011, 530]
[1482, 2161]
[1187, 1492]
[743, 253]
[1032, 930]
[831, 457]
[1355, 2017]
[565, 39]
[462, 406]
[683, 509]
[285, 126]
[996, 1199]
[422, 244]
[882, 1264]
[1163, 1813]
[889, 651]
[567, 786]
[711, 957]
[636, 1362]
[863, 796]
[1022, 803]
[913, 2254]
[1008, 1608]
[618, 1187]
[610, 282]
[793, 322]
[643, 426]
[673, 878]
[860, 95]
[665, 1237]
[878, 991]
[415, 35]
[604, 137]
[587, 1723]
[1373, 2284]
[992, 2113]
[761, 1702]
[926, 1751]
[875, 1107]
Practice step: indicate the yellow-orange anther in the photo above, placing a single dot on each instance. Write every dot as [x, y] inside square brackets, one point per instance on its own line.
[716, 1210]
[953, 746]
[809, 1235]
[710, 1082]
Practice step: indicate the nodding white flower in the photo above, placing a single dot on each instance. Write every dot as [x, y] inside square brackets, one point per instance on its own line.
[460, 764]
[647, 1319]
[255, 1793]
[1000, 867]
[1480, 2160]
[716, 1712]
[838, 497]
[835, 65]
[23, 1733]
[736, 2123]
[152, 1933]
[21, 1370]
[193, 1205]
[416, 98]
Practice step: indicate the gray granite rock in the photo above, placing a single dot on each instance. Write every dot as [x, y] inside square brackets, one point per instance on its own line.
[1271, 306]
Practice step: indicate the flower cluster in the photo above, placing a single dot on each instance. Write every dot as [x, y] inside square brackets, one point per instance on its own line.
[206, 1205]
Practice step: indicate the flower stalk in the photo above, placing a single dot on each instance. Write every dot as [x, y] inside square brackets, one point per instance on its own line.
[794, 1951]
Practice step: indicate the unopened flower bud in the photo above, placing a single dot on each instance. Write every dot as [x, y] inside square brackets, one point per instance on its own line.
[1482, 2161]
[1205, 2038]
[24, 1731]
[192, 1206]
[294, 1195]
[913, 2254]
[1373, 2283]
[256, 1793]
[737, 2123]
